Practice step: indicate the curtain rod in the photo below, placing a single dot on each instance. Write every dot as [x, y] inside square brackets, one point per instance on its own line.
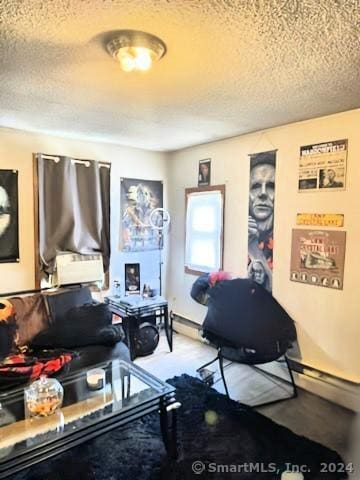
[54, 157]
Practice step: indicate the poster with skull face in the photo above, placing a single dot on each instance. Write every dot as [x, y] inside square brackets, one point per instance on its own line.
[139, 199]
[261, 217]
[9, 228]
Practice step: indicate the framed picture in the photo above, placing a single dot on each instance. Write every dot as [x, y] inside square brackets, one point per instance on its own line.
[318, 257]
[132, 278]
[261, 217]
[9, 224]
[322, 166]
[204, 174]
[139, 198]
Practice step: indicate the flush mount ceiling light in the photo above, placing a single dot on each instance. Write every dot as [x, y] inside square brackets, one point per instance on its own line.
[136, 51]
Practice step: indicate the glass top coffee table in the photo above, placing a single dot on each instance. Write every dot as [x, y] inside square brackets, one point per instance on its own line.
[130, 393]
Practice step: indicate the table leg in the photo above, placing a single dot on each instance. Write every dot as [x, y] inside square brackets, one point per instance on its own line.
[125, 385]
[168, 328]
[130, 325]
[168, 424]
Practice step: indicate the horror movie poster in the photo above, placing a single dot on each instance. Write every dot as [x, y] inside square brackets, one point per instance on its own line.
[322, 166]
[9, 228]
[261, 217]
[204, 174]
[132, 278]
[139, 222]
[317, 257]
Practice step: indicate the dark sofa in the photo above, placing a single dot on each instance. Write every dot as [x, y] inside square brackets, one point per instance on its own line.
[66, 320]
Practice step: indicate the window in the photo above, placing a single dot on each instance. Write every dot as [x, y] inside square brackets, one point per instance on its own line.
[204, 229]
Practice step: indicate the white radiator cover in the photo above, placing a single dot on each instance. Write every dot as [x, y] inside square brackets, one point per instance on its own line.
[75, 268]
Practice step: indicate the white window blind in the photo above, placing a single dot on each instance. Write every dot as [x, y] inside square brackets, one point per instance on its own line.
[203, 245]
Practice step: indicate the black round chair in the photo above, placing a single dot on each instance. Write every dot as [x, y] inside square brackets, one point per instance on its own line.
[246, 325]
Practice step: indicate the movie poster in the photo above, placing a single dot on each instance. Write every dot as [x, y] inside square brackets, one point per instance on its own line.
[322, 166]
[9, 227]
[132, 279]
[204, 174]
[261, 217]
[317, 257]
[139, 199]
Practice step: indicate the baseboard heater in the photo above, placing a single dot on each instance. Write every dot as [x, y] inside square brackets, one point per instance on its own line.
[295, 365]
[319, 374]
[185, 321]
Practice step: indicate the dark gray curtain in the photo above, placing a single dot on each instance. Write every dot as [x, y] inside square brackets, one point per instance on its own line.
[74, 208]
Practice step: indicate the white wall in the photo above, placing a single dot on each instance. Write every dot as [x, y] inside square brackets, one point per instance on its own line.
[16, 149]
[328, 321]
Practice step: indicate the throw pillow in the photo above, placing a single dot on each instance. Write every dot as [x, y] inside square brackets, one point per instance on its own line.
[56, 337]
[8, 330]
[85, 325]
[60, 302]
[31, 317]
[91, 316]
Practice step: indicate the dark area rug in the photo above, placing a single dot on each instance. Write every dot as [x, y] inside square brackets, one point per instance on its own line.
[224, 437]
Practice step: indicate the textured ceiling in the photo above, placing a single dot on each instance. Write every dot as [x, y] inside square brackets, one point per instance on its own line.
[231, 67]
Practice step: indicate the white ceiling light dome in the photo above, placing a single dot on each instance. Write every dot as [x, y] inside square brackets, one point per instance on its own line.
[135, 50]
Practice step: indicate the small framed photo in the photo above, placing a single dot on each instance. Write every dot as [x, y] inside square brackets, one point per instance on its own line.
[204, 172]
[132, 278]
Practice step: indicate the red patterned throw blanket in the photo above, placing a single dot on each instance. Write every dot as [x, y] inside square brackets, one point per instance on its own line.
[17, 365]
[23, 367]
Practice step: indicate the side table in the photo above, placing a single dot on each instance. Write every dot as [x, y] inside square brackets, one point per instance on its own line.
[132, 308]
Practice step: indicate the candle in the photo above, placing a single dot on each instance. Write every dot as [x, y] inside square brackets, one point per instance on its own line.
[95, 379]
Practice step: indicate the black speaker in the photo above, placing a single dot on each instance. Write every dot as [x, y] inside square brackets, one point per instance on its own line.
[146, 339]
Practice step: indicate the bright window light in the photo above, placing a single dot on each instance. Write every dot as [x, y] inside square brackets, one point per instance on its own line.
[204, 219]
[202, 253]
[204, 223]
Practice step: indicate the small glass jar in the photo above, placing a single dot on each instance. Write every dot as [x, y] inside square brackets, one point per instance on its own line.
[117, 289]
[43, 397]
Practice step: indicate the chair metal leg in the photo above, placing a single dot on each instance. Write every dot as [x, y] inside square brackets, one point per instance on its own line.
[295, 392]
[207, 364]
[293, 384]
[221, 365]
[220, 358]
[206, 375]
